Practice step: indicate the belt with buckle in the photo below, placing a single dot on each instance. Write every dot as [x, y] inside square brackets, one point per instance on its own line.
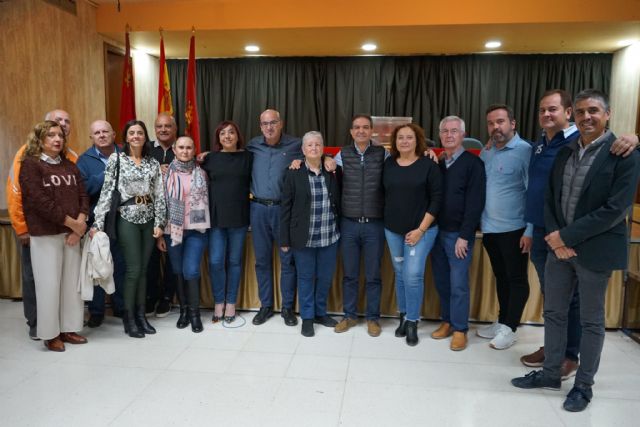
[266, 202]
[363, 220]
[138, 200]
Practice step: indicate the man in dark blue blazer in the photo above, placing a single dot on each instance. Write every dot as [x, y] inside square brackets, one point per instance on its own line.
[590, 193]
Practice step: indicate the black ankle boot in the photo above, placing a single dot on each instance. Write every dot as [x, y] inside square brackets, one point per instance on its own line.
[142, 322]
[130, 326]
[401, 330]
[183, 320]
[193, 296]
[412, 332]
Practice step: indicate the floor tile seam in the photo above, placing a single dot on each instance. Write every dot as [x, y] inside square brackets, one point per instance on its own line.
[344, 385]
[404, 359]
[441, 386]
[134, 398]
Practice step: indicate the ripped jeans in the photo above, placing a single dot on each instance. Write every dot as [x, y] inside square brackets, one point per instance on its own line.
[409, 263]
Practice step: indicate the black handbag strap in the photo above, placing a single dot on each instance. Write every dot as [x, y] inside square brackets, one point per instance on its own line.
[117, 168]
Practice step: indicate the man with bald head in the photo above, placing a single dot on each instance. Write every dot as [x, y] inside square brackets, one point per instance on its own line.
[92, 164]
[14, 203]
[273, 152]
[161, 293]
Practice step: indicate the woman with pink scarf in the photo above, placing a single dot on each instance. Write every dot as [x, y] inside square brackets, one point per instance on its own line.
[186, 233]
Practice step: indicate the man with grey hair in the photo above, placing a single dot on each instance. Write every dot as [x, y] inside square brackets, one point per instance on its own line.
[464, 186]
[92, 164]
[589, 195]
[273, 152]
[14, 203]
[160, 293]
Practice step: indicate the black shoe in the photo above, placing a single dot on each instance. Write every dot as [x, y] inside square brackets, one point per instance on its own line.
[401, 330]
[95, 320]
[290, 319]
[195, 320]
[142, 322]
[130, 326]
[412, 332]
[537, 379]
[183, 320]
[164, 308]
[307, 328]
[263, 315]
[325, 320]
[578, 398]
[33, 333]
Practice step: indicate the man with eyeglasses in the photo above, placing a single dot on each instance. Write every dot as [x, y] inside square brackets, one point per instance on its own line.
[464, 186]
[272, 152]
[14, 203]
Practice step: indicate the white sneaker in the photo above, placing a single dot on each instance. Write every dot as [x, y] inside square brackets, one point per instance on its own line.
[504, 339]
[488, 332]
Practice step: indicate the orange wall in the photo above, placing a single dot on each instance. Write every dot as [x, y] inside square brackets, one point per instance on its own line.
[176, 15]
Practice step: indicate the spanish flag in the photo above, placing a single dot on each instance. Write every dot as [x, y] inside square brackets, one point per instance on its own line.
[164, 87]
[191, 111]
[128, 98]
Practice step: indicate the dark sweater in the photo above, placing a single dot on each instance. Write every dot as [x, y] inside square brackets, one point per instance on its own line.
[409, 193]
[49, 193]
[464, 187]
[229, 180]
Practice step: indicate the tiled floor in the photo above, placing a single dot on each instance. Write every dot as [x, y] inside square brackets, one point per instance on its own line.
[271, 375]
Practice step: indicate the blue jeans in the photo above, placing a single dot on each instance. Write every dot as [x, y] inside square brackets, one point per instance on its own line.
[315, 268]
[265, 231]
[367, 238]
[408, 265]
[96, 305]
[185, 257]
[539, 252]
[451, 276]
[226, 246]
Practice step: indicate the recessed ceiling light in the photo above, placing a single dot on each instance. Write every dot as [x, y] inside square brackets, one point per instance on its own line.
[628, 42]
[369, 47]
[252, 48]
[493, 44]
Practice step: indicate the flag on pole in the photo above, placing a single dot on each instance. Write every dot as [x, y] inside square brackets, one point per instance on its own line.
[164, 87]
[191, 111]
[128, 99]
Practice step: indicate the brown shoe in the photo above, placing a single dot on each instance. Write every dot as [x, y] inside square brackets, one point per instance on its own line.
[568, 369]
[72, 338]
[373, 328]
[443, 331]
[55, 344]
[535, 359]
[345, 324]
[459, 341]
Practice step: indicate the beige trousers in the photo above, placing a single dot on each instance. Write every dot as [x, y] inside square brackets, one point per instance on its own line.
[56, 269]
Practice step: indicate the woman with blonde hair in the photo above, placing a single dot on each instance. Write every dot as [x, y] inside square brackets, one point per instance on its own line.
[55, 208]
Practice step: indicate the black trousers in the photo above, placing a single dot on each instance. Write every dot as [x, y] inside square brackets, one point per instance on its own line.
[509, 266]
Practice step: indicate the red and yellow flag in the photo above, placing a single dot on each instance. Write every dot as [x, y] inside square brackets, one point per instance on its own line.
[164, 87]
[128, 98]
[191, 110]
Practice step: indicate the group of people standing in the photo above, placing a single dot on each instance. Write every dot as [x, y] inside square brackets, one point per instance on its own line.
[563, 199]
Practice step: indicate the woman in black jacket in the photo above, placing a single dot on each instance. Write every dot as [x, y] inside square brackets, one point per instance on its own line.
[309, 210]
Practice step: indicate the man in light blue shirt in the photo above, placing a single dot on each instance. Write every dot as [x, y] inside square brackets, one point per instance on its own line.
[505, 234]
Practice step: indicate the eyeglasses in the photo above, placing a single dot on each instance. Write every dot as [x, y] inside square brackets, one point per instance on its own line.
[452, 132]
[271, 123]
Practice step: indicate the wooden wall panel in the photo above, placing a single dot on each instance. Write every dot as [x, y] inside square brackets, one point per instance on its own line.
[50, 59]
[625, 89]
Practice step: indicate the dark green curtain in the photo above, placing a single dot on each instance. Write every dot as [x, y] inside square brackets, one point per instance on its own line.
[323, 93]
